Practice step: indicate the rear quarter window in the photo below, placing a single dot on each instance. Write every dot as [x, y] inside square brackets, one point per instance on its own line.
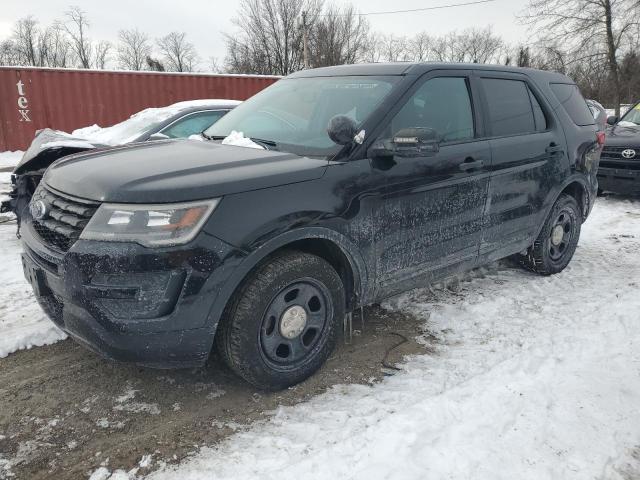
[573, 102]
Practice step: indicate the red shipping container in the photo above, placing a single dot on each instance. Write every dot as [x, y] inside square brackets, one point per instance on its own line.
[65, 99]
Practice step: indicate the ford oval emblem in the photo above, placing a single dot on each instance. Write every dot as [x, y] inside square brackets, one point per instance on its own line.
[38, 210]
[628, 153]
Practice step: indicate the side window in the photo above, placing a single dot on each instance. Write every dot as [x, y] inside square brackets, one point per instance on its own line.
[538, 113]
[193, 124]
[443, 104]
[510, 110]
[573, 102]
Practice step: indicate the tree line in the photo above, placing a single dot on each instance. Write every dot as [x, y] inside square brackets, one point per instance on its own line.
[67, 43]
[596, 42]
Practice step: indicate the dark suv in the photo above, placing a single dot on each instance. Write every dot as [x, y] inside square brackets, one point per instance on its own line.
[620, 166]
[364, 181]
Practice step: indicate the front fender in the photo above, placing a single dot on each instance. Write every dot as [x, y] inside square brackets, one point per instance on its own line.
[361, 286]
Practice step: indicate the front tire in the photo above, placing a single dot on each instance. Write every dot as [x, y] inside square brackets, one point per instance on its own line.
[283, 323]
[553, 249]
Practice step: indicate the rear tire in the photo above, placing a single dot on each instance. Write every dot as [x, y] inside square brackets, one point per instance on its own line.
[553, 249]
[283, 323]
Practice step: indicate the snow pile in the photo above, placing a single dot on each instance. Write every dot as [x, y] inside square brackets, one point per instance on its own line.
[536, 377]
[23, 324]
[239, 140]
[623, 109]
[141, 122]
[10, 159]
[72, 143]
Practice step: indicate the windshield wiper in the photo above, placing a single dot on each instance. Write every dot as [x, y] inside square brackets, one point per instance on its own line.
[264, 143]
[260, 141]
[206, 136]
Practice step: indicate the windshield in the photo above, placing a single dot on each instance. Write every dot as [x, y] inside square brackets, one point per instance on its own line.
[632, 116]
[294, 113]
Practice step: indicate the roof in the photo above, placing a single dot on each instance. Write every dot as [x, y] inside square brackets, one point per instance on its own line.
[418, 68]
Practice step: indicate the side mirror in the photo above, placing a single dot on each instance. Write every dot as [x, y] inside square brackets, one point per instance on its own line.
[409, 142]
[612, 120]
[342, 129]
[158, 136]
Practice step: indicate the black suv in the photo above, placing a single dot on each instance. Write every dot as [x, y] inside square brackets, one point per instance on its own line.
[620, 166]
[364, 181]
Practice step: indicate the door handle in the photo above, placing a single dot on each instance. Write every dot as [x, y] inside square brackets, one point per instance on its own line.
[471, 163]
[553, 148]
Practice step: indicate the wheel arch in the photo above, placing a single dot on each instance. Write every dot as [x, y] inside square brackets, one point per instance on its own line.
[577, 187]
[325, 243]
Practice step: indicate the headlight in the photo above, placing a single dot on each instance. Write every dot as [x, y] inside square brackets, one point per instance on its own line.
[149, 225]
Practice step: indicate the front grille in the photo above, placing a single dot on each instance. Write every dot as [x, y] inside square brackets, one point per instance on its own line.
[612, 158]
[64, 220]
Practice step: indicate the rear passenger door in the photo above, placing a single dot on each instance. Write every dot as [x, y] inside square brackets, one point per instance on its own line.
[526, 146]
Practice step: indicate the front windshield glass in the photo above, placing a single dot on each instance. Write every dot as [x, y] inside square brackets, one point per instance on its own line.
[632, 116]
[294, 113]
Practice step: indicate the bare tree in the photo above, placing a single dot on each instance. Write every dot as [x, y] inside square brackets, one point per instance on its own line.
[270, 36]
[27, 39]
[77, 28]
[394, 49]
[39, 47]
[101, 54]
[447, 49]
[9, 53]
[133, 49]
[214, 65]
[588, 28]
[154, 64]
[179, 55]
[59, 51]
[420, 47]
[339, 36]
[479, 46]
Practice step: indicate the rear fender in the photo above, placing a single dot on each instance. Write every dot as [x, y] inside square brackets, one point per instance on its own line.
[554, 194]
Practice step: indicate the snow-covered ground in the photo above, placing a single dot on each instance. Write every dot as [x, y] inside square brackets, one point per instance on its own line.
[536, 378]
[22, 322]
[10, 159]
[623, 109]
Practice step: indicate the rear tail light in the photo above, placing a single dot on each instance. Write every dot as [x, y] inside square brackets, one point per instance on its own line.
[600, 137]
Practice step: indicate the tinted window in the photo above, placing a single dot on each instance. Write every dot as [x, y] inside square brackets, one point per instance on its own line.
[538, 113]
[510, 111]
[573, 102]
[442, 104]
[192, 124]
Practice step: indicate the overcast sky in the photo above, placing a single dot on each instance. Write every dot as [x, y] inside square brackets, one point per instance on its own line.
[205, 21]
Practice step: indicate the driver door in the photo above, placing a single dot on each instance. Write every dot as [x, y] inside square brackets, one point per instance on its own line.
[432, 206]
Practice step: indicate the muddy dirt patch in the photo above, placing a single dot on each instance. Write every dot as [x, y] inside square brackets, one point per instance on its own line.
[64, 411]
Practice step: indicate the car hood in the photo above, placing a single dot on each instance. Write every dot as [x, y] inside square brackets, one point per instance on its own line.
[50, 143]
[623, 136]
[176, 171]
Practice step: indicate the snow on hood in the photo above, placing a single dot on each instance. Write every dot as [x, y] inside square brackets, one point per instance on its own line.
[239, 140]
[141, 122]
[71, 143]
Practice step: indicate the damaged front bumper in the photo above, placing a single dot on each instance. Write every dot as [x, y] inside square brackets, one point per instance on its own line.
[132, 303]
